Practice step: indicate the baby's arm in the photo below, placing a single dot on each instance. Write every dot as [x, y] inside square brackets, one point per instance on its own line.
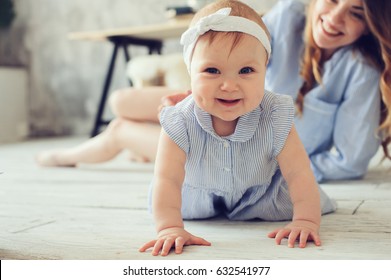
[295, 167]
[167, 200]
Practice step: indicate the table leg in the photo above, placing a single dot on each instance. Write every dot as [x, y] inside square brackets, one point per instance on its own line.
[127, 58]
[102, 102]
[118, 41]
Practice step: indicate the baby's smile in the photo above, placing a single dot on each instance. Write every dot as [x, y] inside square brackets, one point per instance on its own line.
[228, 102]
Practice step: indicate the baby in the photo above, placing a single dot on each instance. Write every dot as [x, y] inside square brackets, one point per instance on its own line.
[231, 147]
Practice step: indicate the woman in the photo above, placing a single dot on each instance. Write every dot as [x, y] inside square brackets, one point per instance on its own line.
[328, 58]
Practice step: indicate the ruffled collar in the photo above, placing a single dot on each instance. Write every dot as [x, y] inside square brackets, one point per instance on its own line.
[245, 128]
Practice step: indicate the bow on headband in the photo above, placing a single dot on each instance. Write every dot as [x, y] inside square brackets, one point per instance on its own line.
[221, 21]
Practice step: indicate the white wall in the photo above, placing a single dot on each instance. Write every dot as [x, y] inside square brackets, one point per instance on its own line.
[13, 104]
[66, 76]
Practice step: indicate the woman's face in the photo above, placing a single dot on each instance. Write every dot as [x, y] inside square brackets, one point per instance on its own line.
[337, 23]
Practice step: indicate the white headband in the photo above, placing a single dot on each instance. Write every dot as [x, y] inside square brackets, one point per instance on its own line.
[221, 21]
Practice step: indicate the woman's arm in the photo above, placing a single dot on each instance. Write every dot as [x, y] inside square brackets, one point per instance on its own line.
[356, 124]
[173, 99]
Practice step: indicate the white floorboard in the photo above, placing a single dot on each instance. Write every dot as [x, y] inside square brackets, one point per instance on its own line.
[100, 212]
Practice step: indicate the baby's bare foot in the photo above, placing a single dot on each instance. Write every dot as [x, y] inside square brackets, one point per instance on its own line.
[52, 159]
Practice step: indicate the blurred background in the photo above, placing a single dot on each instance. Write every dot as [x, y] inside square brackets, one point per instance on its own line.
[51, 85]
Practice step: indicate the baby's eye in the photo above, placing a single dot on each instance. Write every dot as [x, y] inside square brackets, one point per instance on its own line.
[246, 70]
[212, 71]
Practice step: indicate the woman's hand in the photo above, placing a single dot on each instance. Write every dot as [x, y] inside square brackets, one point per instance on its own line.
[300, 230]
[172, 237]
[172, 99]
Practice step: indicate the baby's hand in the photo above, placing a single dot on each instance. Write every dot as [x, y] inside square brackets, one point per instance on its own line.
[301, 230]
[172, 237]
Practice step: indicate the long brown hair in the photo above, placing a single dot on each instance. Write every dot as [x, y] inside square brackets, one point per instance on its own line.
[377, 13]
[311, 63]
[375, 47]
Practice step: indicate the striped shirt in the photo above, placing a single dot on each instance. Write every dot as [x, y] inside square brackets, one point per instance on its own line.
[236, 175]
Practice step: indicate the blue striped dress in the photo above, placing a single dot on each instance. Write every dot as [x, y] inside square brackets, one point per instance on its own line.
[237, 175]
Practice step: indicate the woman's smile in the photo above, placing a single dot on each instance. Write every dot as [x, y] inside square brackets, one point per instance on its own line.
[328, 29]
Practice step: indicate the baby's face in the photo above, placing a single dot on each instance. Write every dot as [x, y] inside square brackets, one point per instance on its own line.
[228, 83]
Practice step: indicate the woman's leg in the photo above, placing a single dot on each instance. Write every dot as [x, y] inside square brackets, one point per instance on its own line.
[139, 137]
[135, 128]
[138, 104]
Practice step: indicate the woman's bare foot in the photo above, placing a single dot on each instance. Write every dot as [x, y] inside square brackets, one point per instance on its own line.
[52, 159]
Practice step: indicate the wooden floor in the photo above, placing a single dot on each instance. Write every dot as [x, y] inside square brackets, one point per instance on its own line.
[99, 212]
